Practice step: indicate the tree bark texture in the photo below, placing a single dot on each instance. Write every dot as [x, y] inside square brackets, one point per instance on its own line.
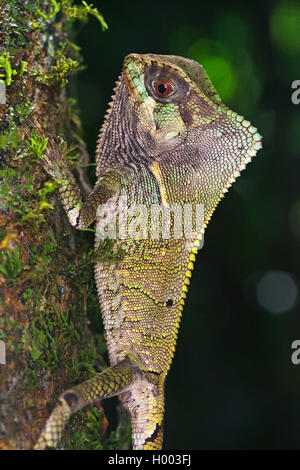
[48, 341]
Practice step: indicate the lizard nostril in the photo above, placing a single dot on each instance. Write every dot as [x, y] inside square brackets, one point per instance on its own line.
[169, 303]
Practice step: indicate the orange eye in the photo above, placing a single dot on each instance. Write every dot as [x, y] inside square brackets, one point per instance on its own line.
[163, 89]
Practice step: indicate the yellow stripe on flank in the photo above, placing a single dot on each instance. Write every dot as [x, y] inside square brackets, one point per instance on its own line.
[158, 175]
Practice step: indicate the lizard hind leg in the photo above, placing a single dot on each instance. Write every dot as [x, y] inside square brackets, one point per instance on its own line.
[110, 382]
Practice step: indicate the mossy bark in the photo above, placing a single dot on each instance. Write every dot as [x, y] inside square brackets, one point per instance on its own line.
[46, 286]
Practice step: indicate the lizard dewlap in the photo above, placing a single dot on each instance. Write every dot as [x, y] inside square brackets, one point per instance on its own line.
[167, 152]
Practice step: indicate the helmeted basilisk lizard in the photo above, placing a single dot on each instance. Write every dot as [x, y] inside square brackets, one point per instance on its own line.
[167, 140]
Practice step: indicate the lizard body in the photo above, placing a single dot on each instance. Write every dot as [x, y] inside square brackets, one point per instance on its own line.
[167, 141]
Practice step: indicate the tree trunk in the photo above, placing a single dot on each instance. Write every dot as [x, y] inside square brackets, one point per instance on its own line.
[46, 287]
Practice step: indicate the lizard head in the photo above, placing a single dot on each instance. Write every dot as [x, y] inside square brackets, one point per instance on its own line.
[194, 137]
[175, 100]
[166, 114]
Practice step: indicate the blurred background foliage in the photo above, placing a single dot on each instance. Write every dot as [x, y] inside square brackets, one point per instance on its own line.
[232, 384]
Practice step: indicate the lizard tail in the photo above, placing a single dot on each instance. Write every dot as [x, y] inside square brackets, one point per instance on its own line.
[145, 403]
[154, 442]
[110, 382]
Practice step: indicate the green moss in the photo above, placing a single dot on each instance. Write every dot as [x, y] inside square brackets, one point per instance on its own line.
[45, 346]
[81, 12]
[27, 202]
[10, 138]
[54, 8]
[30, 380]
[10, 329]
[10, 263]
[15, 25]
[45, 14]
[23, 67]
[36, 145]
[85, 431]
[6, 66]
[60, 72]
[89, 428]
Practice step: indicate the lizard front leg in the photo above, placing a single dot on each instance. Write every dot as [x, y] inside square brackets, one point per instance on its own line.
[80, 214]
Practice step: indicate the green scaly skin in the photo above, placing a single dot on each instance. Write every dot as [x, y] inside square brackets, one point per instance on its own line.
[185, 148]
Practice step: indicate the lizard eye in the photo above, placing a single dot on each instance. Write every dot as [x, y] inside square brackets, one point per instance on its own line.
[163, 89]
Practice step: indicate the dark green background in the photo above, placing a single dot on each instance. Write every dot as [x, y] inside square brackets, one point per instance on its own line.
[232, 384]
